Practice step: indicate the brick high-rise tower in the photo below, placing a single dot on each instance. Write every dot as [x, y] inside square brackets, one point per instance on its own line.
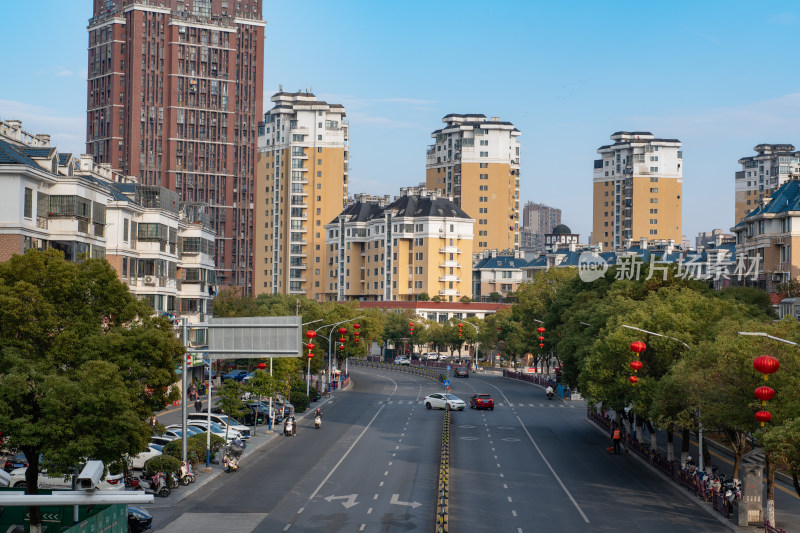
[175, 94]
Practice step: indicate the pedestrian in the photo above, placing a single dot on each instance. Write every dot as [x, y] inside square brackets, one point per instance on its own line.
[198, 405]
[616, 436]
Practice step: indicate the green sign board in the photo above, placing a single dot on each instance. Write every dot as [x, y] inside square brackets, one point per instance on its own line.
[114, 519]
[97, 518]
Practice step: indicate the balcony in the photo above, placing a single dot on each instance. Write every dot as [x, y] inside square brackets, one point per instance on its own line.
[450, 250]
[449, 292]
[450, 264]
[300, 130]
[298, 265]
[450, 277]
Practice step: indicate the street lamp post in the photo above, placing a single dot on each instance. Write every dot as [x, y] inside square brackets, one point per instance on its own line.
[477, 342]
[330, 341]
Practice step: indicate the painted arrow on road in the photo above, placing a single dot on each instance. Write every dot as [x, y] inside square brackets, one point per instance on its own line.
[351, 500]
[395, 501]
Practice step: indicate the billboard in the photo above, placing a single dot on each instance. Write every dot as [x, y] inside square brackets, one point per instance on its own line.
[254, 337]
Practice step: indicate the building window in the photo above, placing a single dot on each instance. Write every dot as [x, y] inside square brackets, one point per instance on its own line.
[28, 203]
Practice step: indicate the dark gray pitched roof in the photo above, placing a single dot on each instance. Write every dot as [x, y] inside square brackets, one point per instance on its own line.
[405, 206]
[38, 152]
[63, 159]
[11, 154]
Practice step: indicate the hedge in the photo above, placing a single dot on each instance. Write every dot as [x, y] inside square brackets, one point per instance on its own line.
[195, 448]
[163, 463]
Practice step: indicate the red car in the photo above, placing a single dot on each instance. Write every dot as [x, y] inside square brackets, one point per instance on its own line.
[481, 401]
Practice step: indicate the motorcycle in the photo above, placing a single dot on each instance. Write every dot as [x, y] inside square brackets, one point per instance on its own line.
[187, 476]
[549, 395]
[289, 427]
[230, 461]
[155, 485]
[172, 481]
[317, 421]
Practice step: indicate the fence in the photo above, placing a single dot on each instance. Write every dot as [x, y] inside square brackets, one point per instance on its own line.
[443, 491]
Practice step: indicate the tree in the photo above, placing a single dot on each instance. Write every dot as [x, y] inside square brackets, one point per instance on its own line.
[495, 297]
[436, 298]
[423, 297]
[261, 385]
[230, 400]
[465, 299]
[73, 385]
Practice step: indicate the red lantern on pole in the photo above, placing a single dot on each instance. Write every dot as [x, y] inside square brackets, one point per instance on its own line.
[342, 331]
[763, 416]
[310, 347]
[633, 379]
[636, 365]
[262, 366]
[342, 339]
[541, 345]
[311, 334]
[540, 330]
[764, 393]
[541, 339]
[766, 364]
[356, 326]
[638, 347]
[411, 328]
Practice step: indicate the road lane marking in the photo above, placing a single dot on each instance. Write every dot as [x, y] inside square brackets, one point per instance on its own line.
[301, 510]
[509, 499]
[351, 500]
[363, 527]
[390, 463]
[313, 494]
[395, 501]
[386, 473]
[505, 486]
[397, 447]
[369, 511]
[287, 527]
[552, 471]
[513, 513]
[498, 465]
[375, 497]
[380, 484]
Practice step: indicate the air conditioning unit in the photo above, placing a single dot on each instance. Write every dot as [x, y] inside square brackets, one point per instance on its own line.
[149, 280]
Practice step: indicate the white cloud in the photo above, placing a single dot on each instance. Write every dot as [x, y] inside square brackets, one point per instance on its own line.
[67, 132]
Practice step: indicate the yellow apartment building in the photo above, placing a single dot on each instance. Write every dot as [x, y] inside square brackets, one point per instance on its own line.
[382, 251]
[762, 174]
[638, 184]
[476, 161]
[301, 185]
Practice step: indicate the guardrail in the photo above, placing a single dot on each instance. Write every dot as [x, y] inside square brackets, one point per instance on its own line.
[443, 490]
[368, 362]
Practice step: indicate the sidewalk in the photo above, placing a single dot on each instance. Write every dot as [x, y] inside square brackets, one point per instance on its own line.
[254, 443]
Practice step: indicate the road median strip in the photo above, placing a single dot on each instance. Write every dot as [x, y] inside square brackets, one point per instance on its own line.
[443, 489]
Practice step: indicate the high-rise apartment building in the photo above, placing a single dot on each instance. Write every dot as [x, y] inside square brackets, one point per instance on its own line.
[301, 185]
[476, 161]
[638, 184]
[175, 92]
[537, 221]
[420, 243]
[762, 174]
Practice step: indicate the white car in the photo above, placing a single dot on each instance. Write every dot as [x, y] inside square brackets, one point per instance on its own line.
[441, 399]
[137, 462]
[222, 421]
[216, 430]
[111, 481]
[432, 356]
[402, 361]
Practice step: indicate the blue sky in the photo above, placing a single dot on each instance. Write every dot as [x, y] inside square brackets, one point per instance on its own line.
[716, 75]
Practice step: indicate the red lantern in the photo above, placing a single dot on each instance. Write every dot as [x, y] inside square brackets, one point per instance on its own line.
[342, 331]
[356, 326]
[763, 416]
[310, 347]
[540, 330]
[633, 379]
[766, 364]
[541, 338]
[499, 328]
[636, 365]
[460, 326]
[342, 339]
[355, 340]
[638, 346]
[341, 346]
[765, 393]
[311, 334]
[262, 366]
[541, 345]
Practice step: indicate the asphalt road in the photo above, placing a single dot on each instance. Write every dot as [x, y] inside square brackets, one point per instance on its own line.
[538, 466]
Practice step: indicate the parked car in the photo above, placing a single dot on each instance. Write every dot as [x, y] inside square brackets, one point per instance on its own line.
[236, 375]
[481, 401]
[214, 373]
[401, 360]
[15, 461]
[431, 356]
[223, 421]
[216, 429]
[462, 372]
[137, 461]
[111, 482]
[161, 440]
[189, 429]
[138, 519]
[440, 400]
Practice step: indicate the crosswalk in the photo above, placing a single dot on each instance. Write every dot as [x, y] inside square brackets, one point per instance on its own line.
[552, 405]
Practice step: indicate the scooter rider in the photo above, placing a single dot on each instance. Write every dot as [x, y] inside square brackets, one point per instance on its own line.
[549, 391]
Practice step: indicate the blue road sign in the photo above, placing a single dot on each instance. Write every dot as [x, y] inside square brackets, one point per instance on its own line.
[447, 383]
[448, 367]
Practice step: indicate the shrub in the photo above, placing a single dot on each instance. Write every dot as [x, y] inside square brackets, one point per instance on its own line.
[163, 463]
[299, 400]
[195, 448]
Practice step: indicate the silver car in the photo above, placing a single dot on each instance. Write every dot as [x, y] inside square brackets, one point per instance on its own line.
[440, 400]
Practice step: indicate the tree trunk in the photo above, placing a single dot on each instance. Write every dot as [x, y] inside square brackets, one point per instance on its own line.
[639, 430]
[770, 513]
[670, 443]
[738, 442]
[684, 446]
[796, 483]
[32, 482]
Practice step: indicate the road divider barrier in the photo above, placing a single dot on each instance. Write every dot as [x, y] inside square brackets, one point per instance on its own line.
[369, 362]
[443, 490]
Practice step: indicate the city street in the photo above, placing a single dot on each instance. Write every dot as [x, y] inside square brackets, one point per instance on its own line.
[373, 467]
